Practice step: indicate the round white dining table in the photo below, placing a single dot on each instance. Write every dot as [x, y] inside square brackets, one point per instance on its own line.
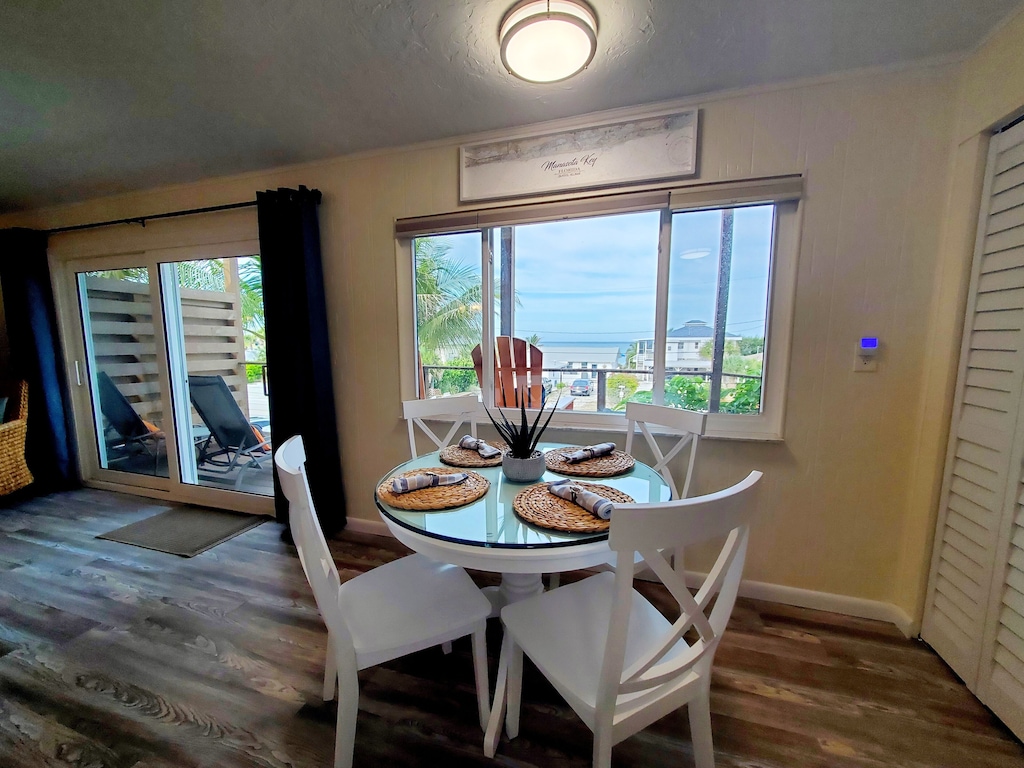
[487, 535]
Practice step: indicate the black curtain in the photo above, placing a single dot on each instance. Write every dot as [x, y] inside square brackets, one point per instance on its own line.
[298, 352]
[35, 357]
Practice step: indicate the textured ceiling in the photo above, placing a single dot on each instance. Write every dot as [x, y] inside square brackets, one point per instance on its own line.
[109, 96]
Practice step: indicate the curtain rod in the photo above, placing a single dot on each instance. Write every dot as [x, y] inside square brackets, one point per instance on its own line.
[143, 219]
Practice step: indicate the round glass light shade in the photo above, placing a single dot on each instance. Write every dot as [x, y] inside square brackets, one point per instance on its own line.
[544, 41]
[695, 253]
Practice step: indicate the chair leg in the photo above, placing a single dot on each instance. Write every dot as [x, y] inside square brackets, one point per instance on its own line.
[602, 748]
[345, 737]
[483, 690]
[330, 671]
[493, 732]
[240, 476]
[515, 688]
[700, 728]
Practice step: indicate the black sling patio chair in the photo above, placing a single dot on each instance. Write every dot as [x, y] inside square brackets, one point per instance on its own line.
[233, 442]
[126, 433]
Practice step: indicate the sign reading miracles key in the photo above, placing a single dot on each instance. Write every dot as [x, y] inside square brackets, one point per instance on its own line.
[627, 152]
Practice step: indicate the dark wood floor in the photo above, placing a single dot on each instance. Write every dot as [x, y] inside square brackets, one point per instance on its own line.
[116, 656]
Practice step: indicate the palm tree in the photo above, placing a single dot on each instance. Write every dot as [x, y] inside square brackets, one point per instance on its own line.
[250, 283]
[448, 306]
[632, 353]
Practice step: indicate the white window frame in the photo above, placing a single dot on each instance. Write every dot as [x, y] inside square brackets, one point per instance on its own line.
[768, 425]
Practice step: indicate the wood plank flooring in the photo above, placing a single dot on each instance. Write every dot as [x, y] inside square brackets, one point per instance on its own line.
[115, 656]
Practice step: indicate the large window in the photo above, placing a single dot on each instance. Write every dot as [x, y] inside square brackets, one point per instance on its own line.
[686, 308]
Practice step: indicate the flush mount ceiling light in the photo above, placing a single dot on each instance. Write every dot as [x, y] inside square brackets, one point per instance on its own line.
[696, 253]
[544, 41]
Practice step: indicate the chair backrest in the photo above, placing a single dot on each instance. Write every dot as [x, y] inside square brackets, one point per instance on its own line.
[690, 424]
[219, 411]
[518, 368]
[117, 410]
[314, 554]
[459, 410]
[647, 529]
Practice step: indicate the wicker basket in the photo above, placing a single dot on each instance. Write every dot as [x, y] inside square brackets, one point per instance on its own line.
[14, 472]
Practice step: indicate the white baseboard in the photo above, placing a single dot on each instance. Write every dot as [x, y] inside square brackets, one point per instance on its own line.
[759, 590]
[358, 525]
[825, 601]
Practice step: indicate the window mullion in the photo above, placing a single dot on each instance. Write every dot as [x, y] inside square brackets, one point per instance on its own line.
[661, 305]
[507, 290]
[721, 309]
[487, 317]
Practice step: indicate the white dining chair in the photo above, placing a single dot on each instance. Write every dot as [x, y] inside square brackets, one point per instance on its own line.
[393, 610]
[688, 428]
[461, 409]
[617, 661]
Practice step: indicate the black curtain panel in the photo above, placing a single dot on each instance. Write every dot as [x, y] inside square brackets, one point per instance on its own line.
[36, 356]
[298, 352]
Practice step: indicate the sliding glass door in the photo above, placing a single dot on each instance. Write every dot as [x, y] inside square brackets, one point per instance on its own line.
[216, 354]
[129, 412]
[168, 362]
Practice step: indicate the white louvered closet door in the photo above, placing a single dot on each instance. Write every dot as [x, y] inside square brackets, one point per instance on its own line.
[974, 614]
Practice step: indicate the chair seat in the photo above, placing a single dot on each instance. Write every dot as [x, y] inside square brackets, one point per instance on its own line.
[564, 633]
[415, 602]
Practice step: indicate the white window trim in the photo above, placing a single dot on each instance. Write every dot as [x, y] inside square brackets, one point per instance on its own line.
[768, 425]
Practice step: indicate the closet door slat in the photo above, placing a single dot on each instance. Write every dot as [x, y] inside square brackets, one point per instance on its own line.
[974, 616]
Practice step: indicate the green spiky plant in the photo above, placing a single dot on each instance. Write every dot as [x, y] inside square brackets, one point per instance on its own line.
[522, 438]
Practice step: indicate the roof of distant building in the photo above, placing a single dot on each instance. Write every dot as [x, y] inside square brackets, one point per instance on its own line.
[697, 329]
[694, 329]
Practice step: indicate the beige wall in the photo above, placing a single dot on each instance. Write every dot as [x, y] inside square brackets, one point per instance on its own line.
[990, 94]
[841, 487]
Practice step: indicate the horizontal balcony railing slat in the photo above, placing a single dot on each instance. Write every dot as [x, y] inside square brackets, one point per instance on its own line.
[600, 375]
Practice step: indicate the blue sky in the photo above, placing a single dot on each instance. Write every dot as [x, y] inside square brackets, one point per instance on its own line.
[594, 279]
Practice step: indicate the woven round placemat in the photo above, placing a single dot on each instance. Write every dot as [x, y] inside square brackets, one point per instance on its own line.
[464, 457]
[438, 497]
[539, 506]
[609, 465]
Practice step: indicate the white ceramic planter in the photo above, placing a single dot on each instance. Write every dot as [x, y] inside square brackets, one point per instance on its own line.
[523, 470]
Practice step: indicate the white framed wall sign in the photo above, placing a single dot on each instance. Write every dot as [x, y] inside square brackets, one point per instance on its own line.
[630, 151]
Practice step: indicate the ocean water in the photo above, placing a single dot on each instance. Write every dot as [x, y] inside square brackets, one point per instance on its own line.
[622, 345]
[551, 348]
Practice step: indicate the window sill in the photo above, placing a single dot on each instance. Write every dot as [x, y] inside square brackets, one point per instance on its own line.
[753, 428]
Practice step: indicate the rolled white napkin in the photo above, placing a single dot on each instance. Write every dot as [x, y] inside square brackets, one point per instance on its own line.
[594, 503]
[589, 452]
[426, 480]
[476, 444]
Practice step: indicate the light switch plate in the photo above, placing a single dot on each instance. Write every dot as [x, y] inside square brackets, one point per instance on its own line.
[863, 364]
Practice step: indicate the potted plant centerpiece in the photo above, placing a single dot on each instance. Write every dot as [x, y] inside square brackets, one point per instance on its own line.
[522, 462]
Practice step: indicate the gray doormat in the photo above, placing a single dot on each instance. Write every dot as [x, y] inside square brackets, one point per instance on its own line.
[185, 530]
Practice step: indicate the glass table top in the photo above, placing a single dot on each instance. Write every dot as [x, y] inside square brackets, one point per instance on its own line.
[490, 520]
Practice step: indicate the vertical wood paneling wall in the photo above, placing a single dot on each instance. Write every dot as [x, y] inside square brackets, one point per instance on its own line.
[990, 92]
[875, 151]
